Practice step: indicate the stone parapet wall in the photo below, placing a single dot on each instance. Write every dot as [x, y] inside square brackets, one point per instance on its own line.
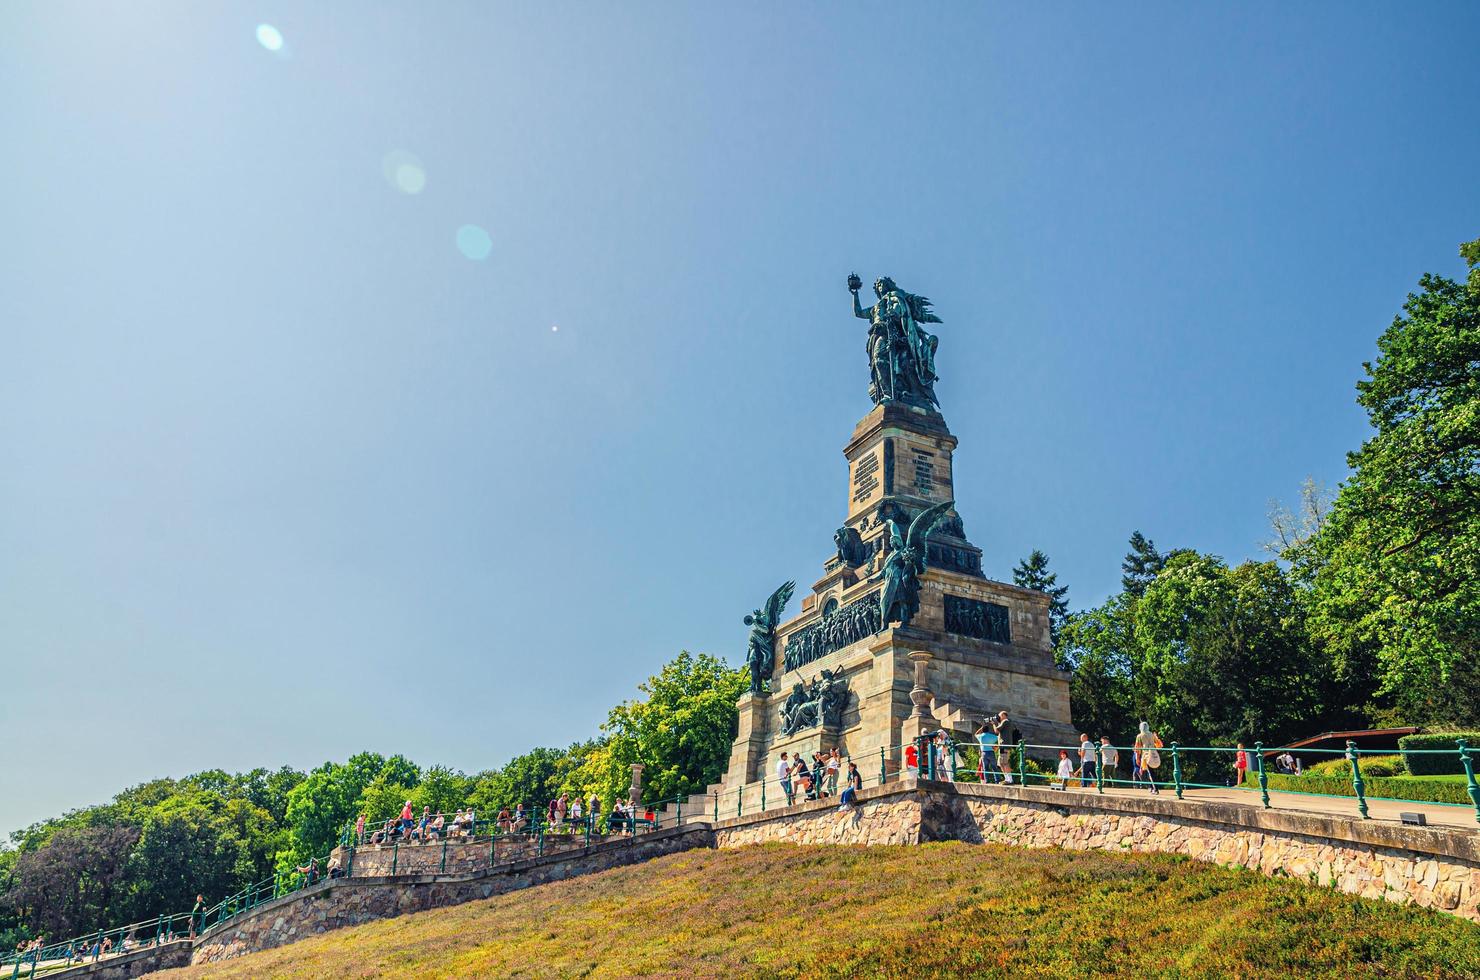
[344, 902]
[458, 857]
[123, 966]
[883, 816]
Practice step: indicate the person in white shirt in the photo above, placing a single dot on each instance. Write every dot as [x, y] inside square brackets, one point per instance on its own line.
[1109, 758]
[1086, 760]
[783, 773]
[1066, 769]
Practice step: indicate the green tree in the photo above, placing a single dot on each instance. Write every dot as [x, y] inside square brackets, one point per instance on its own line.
[1097, 646]
[322, 804]
[1223, 655]
[681, 731]
[1032, 573]
[1396, 567]
[1141, 565]
[530, 779]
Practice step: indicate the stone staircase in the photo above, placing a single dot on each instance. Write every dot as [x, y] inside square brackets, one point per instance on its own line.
[698, 808]
[957, 717]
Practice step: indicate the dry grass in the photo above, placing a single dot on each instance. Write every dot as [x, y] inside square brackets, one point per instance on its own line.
[941, 910]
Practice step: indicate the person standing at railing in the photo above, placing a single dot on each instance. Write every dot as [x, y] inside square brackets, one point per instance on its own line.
[1109, 759]
[1066, 769]
[911, 760]
[1148, 759]
[360, 830]
[1086, 760]
[407, 820]
[1240, 765]
[833, 765]
[986, 763]
[198, 915]
[783, 776]
[1002, 728]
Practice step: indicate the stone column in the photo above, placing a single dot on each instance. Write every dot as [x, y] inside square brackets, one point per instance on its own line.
[635, 794]
[748, 753]
[920, 719]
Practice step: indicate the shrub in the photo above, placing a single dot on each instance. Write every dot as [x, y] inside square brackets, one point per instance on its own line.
[1376, 787]
[1422, 763]
[1372, 765]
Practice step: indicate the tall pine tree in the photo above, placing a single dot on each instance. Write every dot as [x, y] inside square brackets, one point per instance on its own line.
[1142, 564]
[1032, 573]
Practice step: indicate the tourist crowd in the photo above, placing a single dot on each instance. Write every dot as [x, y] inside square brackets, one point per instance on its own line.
[566, 813]
[938, 756]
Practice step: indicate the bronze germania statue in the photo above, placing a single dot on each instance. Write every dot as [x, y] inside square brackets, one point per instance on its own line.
[901, 355]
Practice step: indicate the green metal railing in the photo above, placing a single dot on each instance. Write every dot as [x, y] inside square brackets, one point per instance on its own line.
[95, 946]
[1181, 769]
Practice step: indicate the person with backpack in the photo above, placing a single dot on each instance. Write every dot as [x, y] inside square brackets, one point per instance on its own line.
[1148, 758]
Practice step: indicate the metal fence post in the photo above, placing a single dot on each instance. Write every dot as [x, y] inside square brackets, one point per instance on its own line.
[1263, 777]
[763, 794]
[1357, 783]
[883, 770]
[678, 811]
[443, 869]
[1469, 764]
[716, 806]
[1177, 769]
[395, 856]
[1099, 770]
[1022, 762]
[349, 868]
[740, 801]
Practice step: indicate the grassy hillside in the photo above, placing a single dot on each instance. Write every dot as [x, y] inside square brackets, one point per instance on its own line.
[936, 910]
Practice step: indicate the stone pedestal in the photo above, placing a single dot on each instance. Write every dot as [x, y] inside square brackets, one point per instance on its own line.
[920, 721]
[748, 754]
[975, 647]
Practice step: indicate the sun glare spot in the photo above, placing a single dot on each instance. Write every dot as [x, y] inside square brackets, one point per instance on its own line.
[269, 37]
[474, 243]
[404, 172]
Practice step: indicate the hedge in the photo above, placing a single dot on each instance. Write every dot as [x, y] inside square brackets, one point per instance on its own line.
[1447, 764]
[1377, 787]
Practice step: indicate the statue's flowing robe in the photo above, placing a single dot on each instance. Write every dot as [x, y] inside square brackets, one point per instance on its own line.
[897, 306]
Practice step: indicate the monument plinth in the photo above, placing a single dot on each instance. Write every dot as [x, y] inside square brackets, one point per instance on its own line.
[902, 634]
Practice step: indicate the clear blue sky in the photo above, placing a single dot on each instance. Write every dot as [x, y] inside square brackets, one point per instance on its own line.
[285, 475]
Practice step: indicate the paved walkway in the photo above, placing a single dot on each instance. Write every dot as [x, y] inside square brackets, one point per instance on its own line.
[1386, 811]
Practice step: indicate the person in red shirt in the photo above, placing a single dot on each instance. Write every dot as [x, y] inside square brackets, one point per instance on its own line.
[407, 821]
[912, 759]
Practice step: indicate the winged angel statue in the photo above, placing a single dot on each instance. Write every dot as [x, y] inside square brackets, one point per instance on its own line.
[760, 656]
[899, 600]
[901, 355]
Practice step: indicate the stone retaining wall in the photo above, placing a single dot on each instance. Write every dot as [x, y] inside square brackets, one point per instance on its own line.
[1429, 866]
[352, 901]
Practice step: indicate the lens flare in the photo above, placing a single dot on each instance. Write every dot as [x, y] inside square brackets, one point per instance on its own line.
[474, 243]
[269, 37]
[404, 172]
